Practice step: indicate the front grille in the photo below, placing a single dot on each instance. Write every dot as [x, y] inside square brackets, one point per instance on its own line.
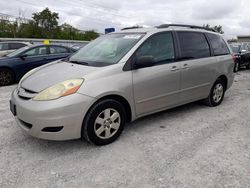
[25, 93]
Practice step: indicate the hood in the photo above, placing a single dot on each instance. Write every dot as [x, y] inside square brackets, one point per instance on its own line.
[53, 74]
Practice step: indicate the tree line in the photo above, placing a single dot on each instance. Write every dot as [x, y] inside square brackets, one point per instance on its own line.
[43, 24]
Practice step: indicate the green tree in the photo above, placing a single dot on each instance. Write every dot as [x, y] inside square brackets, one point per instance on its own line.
[47, 22]
[44, 24]
[6, 28]
[68, 32]
[218, 28]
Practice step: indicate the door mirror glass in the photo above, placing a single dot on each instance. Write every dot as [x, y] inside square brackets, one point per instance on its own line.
[144, 61]
[23, 56]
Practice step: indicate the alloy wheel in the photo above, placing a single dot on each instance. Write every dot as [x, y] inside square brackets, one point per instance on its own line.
[107, 123]
[5, 77]
[218, 92]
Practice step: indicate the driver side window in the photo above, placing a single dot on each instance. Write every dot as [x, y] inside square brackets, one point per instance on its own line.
[160, 47]
[37, 51]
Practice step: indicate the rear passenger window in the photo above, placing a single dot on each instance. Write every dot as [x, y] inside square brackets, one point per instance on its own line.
[58, 50]
[193, 45]
[218, 44]
[160, 47]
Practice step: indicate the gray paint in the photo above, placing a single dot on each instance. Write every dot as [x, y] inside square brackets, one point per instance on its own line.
[147, 90]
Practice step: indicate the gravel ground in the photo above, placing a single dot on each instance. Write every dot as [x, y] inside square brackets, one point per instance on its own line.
[189, 146]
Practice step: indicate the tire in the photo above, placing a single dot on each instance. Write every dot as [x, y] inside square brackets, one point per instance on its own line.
[6, 77]
[219, 87]
[104, 122]
[248, 66]
[236, 67]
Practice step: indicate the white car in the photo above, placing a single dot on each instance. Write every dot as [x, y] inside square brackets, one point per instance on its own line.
[8, 47]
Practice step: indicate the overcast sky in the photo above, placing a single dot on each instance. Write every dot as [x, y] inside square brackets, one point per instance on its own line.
[233, 15]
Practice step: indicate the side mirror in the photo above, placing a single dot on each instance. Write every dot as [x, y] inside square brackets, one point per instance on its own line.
[144, 61]
[23, 56]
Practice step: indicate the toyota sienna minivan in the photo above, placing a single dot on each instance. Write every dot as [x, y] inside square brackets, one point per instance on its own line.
[120, 77]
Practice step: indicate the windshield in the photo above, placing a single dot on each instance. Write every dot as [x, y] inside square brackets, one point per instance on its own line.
[3, 46]
[106, 50]
[15, 53]
[235, 48]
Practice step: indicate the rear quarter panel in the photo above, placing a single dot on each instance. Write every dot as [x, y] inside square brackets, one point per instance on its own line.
[225, 66]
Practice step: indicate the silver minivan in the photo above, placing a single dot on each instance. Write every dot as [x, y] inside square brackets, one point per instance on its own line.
[120, 77]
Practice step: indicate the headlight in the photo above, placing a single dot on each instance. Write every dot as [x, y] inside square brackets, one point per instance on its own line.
[65, 88]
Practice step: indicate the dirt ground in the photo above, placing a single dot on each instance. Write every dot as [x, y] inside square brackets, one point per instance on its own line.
[189, 146]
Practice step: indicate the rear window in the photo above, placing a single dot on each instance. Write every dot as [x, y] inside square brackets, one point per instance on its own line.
[218, 44]
[235, 48]
[58, 50]
[14, 46]
[3, 46]
[193, 45]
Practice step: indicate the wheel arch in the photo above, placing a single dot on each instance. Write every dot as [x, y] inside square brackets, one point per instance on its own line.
[225, 79]
[118, 98]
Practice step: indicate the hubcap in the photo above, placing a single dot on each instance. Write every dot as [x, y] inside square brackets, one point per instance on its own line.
[218, 92]
[107, 123]
[5, 77]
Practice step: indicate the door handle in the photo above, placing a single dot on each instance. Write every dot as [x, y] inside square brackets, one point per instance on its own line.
[174, 68]
[185, 66]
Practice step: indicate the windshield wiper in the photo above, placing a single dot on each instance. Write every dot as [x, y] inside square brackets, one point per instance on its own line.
[78, 62]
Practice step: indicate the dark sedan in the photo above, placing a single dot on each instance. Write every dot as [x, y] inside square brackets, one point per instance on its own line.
[16, 64]
[242, 53]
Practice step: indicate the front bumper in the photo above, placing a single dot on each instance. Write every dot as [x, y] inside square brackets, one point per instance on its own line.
[59, 119]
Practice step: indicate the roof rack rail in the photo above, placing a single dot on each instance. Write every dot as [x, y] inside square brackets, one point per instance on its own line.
[183, 25]
[133, 27]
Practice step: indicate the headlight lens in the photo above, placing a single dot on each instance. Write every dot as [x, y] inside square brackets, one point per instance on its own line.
[65, 88]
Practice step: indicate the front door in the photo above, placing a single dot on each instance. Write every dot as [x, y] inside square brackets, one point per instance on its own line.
[33, 58]
[157, 87]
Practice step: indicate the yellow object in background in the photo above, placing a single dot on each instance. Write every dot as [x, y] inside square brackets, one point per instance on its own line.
[46, 42]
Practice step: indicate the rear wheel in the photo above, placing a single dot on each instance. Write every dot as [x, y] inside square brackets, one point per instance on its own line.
[104, 122]
[6, 77]
[248, 66]
[217, 93]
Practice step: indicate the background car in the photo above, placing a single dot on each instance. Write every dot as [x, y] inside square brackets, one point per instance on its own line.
[8, 47]
[14, 65]
[78, 46]
[242, 54]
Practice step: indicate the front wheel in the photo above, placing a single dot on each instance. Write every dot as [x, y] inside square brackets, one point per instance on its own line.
[217, 93]
[6, 77]
[104, 122]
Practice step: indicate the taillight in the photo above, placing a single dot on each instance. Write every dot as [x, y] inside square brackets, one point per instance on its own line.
[234, 57]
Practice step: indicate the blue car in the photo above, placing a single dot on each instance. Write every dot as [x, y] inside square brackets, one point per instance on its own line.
[14, 65]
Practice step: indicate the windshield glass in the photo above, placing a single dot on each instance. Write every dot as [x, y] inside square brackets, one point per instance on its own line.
[3, 46]
[15, 53]
[106, 50]
[235, 48]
